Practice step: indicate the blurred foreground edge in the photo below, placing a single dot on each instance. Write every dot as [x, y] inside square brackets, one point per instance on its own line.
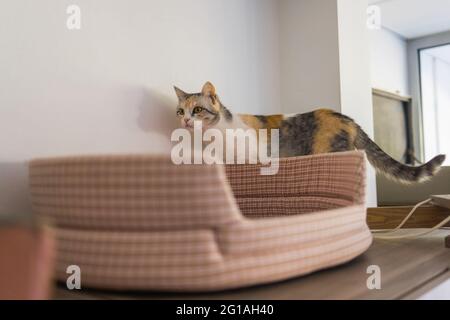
[26, 262]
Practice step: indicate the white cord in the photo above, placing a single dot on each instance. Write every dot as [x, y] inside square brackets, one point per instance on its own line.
[387, 232]
[405, 219]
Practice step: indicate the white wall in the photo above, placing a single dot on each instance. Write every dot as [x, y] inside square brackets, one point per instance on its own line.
[107, 88]
[389, 61]
[354, 72]
[325, 61]
[309, 53]
[67, 92]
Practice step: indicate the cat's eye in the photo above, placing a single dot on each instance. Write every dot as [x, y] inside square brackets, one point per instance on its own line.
[180, 112]
[197, 110]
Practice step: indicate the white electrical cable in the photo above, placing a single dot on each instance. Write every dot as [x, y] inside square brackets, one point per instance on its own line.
[387, 232]
[405, 219]
[387, 237]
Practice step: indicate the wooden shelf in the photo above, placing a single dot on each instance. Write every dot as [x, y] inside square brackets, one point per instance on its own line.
[389, 217]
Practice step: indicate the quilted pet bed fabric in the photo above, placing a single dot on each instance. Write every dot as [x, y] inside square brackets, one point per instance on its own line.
[141, 223]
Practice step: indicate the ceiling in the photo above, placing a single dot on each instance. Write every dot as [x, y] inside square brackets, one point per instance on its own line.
[414, 18]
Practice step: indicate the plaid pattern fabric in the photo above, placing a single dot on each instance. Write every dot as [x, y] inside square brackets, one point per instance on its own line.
[141, 223]
[130, 193]
[303, 184]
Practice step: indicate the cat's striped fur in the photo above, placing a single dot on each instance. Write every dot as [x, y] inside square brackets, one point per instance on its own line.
[319, 131]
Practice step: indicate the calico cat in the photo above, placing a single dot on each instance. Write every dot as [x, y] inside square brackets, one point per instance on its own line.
[319, 131]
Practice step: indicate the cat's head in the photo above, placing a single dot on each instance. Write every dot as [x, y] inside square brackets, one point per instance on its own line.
[204, 106]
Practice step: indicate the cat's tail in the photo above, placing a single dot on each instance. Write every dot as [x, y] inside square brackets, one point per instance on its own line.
[393, 169]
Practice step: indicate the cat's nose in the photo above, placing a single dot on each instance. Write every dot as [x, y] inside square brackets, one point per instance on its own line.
[186, 121]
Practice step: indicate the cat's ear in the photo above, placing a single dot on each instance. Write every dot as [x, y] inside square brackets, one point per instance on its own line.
[180, 93]
[209, 90]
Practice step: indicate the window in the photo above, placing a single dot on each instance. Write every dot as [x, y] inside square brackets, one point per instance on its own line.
[435, 95]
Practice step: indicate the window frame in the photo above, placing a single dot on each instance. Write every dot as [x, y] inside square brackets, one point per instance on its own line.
[415, 46]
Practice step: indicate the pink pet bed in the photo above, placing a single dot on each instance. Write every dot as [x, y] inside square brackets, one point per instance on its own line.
[141, 223]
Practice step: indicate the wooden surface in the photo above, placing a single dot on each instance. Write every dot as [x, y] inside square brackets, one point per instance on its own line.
[408, 268]
[426, 216]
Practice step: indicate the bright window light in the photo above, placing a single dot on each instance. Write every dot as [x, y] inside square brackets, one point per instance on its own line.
[435, 87]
